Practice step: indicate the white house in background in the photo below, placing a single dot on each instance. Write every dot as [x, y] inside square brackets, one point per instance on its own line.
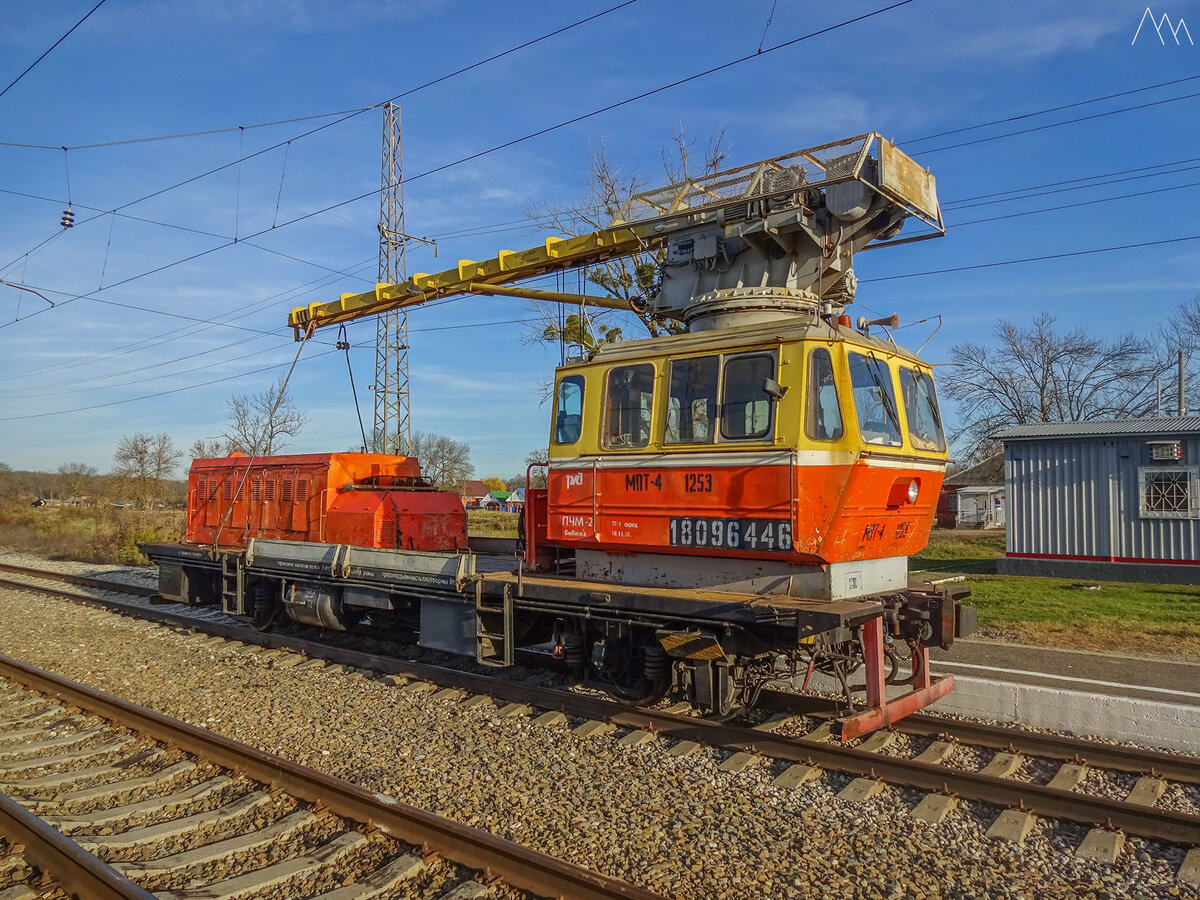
[495, 500]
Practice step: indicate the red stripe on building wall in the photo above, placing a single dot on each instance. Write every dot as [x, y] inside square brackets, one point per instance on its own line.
[1115, 559]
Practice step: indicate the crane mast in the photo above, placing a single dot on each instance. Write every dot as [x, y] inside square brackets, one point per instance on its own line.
[766, 240]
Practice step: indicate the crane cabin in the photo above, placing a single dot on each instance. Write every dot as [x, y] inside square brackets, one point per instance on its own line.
[796, 457]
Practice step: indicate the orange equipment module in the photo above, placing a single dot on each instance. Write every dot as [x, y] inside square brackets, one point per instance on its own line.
[368, 500]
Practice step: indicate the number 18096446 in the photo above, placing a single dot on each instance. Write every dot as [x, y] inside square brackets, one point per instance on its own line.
[731, 534]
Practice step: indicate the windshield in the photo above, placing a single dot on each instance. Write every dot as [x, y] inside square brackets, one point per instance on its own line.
[875, 400]
[921, 410]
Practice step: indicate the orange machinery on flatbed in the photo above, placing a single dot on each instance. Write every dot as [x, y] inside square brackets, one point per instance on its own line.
[725, 507]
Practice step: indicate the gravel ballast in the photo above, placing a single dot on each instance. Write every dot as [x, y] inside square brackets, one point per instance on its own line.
[675, 825]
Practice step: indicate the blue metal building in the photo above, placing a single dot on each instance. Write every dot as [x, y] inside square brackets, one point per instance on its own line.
[1114, 500]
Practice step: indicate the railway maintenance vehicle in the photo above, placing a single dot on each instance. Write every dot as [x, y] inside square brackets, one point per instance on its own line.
[725, 507]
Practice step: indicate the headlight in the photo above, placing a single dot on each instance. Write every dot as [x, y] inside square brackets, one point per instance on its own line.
[914, 488]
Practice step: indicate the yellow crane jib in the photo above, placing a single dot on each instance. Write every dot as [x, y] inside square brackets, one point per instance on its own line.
[470, 276]
[790, 223]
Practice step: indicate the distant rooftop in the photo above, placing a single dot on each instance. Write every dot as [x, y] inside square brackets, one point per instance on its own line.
[1104, 428]
[989, 471]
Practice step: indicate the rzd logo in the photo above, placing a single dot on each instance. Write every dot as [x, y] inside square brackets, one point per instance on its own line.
[575, 480]
[1159, 24]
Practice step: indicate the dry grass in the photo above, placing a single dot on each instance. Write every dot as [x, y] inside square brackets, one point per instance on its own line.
[1102, 637]
[104, 534]
[490, 523]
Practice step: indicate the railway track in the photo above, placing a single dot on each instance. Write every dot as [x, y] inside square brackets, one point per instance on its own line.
[796, 735]
[112, 800]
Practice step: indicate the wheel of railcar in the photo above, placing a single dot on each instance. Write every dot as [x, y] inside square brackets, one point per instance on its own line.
[266, 607]
[630, 667]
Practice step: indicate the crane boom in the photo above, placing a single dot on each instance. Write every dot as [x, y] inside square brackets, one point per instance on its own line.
[786, 225]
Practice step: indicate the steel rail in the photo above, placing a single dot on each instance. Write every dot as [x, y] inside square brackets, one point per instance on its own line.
[1098, 754]
[68, 864]
[1150, 822]
[1052, 746]
[517, 865]
[137, 590]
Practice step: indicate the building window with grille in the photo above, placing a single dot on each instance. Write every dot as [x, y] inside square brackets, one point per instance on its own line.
[1168, 493]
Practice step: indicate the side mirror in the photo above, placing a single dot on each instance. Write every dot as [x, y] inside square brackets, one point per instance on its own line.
[773, 389]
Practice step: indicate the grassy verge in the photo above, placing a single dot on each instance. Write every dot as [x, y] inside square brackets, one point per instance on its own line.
[1156, 619]
[960, 551]
[1153, 619]
[102, 535]
[490, 523]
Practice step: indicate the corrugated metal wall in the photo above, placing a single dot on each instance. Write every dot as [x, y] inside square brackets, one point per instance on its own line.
[1079, 497]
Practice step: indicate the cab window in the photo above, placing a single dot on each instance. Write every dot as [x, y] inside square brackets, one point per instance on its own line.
[921, 410]
[874, 400]
[745, 404]
[568, 411]
[823, 417]
[692, 400]
[627, 407]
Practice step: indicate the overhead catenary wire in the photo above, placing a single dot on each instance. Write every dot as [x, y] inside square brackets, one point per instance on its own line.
[167, 337]
[1050, 125]
[1032, 259]
[279, 398]
[358, 110]
[604, 12]
[92, 382]
[1026, 193]
[92, 379]
[1003, 263]
[922, 274]
[50, 49]
[1052, 109]
[1011, 118]
[166, 393]
[1007, 196]
[1111, 199]
[350, 114]
[343, 343]
[282, 172]
[502, 146]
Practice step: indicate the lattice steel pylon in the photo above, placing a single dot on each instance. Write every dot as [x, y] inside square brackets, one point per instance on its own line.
[392, 432]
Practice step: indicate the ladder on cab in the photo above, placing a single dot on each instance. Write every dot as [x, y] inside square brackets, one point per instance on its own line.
[494, 628]
[233, 585]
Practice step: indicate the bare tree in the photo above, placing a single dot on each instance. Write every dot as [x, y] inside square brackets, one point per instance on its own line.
[146, 460]
[76, 477]
[1041, 373]
[444, 461]
[258, 423]
[1180, 333]
[607, 189]
[1185, 324]
[207, 448]
[537, 476]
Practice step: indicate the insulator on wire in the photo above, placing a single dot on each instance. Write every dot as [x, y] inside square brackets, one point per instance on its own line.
[68, 217]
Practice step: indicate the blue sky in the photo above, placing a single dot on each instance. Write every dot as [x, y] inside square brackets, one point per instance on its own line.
[138, 69]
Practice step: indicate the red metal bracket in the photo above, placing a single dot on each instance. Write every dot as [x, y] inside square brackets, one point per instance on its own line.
[893, 711]
[882, 712]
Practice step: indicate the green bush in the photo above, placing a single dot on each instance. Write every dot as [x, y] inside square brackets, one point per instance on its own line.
[129, 553]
